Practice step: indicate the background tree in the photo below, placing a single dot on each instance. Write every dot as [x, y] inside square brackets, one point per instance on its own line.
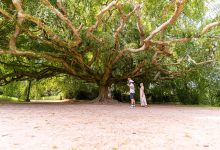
[105, 42]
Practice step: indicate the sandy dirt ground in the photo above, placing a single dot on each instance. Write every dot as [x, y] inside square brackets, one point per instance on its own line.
[108, 127]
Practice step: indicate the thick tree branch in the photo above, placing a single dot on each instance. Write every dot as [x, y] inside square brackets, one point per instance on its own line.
[124, 17]
[189, 59]
[137, 70]
[43, 40]
[179, 8]
[25, 75]
[90, 30]
[186, 58]
[20, 19]
[209, 26]
[38, 22]
[140, 25]
[45, 55]
[155, 58]
[110, 64]
[118, 56]
[157, 76]
[5, 14]
[76, 56]
[134, 50]
[172, 74]
[61, 7]
[116, 34]
[44, 27]
[173, 41]
[66, 21]
[80, 27]
[179, 61]
[181, 40]
[110, 5]
[95, 57]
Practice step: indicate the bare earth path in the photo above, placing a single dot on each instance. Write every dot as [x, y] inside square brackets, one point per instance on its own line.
[108, 127]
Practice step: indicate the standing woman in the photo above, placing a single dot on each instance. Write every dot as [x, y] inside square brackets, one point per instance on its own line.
[142, 96]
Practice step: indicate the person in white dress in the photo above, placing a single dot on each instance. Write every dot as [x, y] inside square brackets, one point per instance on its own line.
[142, 96]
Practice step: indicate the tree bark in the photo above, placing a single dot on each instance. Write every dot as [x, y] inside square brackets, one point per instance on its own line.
[104, 96]
[28, 92]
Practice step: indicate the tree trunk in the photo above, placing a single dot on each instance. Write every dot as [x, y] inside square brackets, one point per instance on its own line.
[28, 92]
[104, 95]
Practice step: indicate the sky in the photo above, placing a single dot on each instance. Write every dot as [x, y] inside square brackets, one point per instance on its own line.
[214, 8]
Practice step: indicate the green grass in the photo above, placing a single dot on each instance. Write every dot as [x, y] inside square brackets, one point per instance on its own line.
[50, 98]
[8, 99]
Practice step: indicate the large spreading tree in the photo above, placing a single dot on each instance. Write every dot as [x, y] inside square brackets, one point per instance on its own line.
[103, 41]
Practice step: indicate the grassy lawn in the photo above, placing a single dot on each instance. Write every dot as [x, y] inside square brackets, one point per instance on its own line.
[8, 99]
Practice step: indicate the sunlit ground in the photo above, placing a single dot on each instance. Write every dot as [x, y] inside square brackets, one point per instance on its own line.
[66, 126]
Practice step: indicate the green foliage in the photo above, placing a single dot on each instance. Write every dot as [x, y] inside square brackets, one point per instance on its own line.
[6, 28]
[65, 86]
[198, 87]
[45, 88]
[15, 89]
